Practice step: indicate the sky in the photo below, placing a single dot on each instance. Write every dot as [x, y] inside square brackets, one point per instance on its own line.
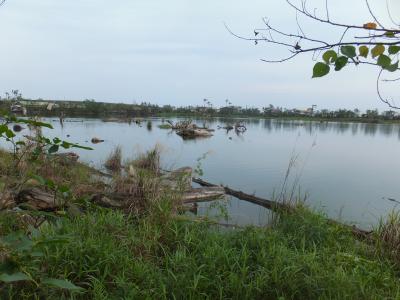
[175, 52]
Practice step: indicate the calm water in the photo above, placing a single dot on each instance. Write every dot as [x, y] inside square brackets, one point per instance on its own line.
[347, 170]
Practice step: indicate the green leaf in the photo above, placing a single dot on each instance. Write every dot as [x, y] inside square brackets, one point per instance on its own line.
[363, 50]
[393, 67]
[320, 69]
[3, 128]
[389, 33]
[377, 50]
[13, 277]
[53, 149]
[349, 51]
[341, 62]
[394, 49]
[81, 147]
[329, 56]
[10, 134]
[62, 284]
[384, 61]
[56, 140]
[66, 145]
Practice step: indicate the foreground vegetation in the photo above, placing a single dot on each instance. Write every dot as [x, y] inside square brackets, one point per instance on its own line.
[149, 248]
[111, 255]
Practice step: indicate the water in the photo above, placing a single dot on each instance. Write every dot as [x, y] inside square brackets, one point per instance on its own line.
[347, 170]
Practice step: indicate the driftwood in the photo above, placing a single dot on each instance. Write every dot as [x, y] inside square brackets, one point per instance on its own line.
[38, 199]
[193, 133]
[106, 201]
[279, 207]
[203, 194]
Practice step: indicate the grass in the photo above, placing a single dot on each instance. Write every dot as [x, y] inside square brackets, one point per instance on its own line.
[113, 256]
[114, 160]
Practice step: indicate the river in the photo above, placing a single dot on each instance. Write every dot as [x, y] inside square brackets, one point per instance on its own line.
[349, 171]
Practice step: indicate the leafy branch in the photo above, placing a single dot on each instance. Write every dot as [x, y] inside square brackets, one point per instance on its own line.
[372, 43]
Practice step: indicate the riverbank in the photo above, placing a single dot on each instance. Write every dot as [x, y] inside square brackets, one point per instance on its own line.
[151, 249]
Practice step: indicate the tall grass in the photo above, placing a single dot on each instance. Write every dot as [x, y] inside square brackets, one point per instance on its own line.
[387, 236]
[114, 256]
[114, 161]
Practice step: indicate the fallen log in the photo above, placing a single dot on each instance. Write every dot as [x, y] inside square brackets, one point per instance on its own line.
[203, 194]
[243, 196]
[279, 207]
[38, 199]
[104, 201]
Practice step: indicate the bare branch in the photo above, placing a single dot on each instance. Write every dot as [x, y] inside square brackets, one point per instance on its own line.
[390, 15]
[314, 17]
[373, 15]
[386, 101]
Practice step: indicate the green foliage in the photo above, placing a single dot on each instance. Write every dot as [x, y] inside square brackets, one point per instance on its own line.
[320, 69]
[329, 56]
[114, 256]
[340, 63]
[349, 51]
[377, 50]
[393, 49]
[385, 61]
[363, 50]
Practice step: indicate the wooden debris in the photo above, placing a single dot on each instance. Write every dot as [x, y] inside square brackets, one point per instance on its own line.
[203, 194]
[38, 199]
[193, 133]
[103, 200]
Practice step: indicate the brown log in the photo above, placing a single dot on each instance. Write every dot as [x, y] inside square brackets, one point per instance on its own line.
[279, 207]
[105, 201]
[203, 194]
[38, 199]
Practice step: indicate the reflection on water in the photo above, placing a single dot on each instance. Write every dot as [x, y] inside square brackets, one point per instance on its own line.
[346, 169]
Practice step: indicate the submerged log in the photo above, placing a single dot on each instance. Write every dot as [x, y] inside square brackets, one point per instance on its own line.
[203, 194]
[279, 207]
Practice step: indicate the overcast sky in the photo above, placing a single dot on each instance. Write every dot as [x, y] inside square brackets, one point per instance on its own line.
[173, 52]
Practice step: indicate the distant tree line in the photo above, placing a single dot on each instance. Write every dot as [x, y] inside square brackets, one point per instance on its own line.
[91, 108]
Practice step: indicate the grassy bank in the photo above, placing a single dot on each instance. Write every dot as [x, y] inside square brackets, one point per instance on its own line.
[112, 256]
[150, 251]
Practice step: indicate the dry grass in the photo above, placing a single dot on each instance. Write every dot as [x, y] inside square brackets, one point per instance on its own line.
[114, 160]
[149, 161]
[388, 236]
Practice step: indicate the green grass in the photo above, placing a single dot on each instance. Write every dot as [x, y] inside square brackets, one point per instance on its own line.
[113, 256]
